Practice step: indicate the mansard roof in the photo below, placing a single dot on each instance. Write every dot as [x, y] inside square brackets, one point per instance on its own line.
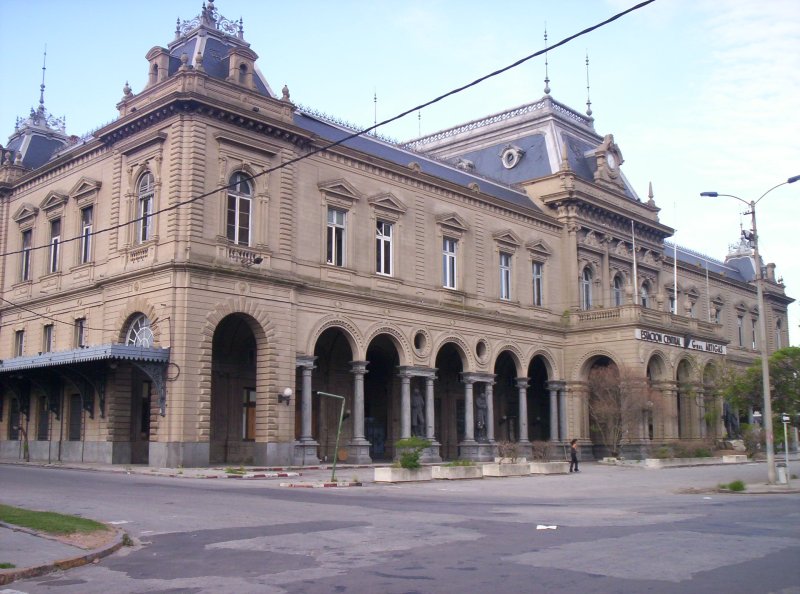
[523, 144]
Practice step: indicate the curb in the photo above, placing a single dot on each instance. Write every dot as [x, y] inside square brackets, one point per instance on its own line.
[9, 575]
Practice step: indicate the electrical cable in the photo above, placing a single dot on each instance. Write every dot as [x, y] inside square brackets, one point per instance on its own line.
[325, 147]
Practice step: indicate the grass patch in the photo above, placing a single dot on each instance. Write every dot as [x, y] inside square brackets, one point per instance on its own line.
[49, 522]
[7, 566]
[735, 486]
[231, 470]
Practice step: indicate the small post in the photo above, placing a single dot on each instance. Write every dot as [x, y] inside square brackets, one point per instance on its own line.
[338, 431]
[785, 419]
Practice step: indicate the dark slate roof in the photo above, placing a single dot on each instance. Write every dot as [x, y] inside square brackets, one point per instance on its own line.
[38, 151]
[399, 156]
[733, 268]
[533, 163]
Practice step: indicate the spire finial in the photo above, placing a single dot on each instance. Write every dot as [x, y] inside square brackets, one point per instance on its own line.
[546, 74]
[651, 201]
[564, 156]
[241, 28]
[41, 88]
[375, 110]
[177, 27]
[419, 122]
[588, 98]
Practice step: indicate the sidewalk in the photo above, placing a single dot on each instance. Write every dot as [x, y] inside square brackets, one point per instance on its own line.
[34, 554]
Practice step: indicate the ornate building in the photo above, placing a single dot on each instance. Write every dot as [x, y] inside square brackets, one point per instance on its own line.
[187, 284]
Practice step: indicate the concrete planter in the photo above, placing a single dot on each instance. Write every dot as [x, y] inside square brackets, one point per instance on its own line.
[518, 460]
[391, 474]
[457, 472]
[511, 469]
[549, 467]
[734, 459]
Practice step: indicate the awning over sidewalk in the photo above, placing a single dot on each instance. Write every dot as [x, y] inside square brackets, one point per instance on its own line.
[79, 366]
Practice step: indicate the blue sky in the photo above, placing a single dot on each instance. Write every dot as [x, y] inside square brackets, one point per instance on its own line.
[699, 94]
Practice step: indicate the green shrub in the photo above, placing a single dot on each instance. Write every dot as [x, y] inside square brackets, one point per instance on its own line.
[702, 453]
[736, 486]
[410, 450]
[461, 463]
[663, 453]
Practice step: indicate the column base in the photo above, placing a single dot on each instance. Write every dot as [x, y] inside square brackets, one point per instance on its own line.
[358, 452]
[469, 449]
[432, 453]
[305, 453]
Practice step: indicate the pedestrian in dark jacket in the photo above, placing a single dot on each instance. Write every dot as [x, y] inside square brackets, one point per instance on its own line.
[573, 456]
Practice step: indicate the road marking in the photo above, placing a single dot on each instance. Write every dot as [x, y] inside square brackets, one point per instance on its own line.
[118, 522]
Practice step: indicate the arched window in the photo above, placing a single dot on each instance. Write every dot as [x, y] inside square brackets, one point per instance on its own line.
[618, 290]
[242, 73]
[146, 194]
[645, 294]
[139, 332]
[240, 192]
[586, 288]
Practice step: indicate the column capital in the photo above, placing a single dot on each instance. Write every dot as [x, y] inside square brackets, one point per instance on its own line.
[358, 367]
[469, 377]
[522, 382]
[556, 385]
[413, 371]
[306, 361]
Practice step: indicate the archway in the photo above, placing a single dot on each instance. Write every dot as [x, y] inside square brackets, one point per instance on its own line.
[333, 374]
[506, 398]
[449, 400]
[658, 414]
[381, 398]
[538, 401]
[685, 396]
[233, 391]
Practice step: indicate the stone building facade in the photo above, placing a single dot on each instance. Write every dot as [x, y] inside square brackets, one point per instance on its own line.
[188, 284]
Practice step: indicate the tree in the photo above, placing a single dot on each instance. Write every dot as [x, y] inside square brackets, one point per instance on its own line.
[743, 388]
[618, 402]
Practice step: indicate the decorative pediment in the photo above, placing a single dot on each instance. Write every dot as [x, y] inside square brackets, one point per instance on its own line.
[452, 221]
[539, 249]
[693, 293]
[53, 200]
[591, 239]
[84, 186]
[387, 201]
[507, 237]
[622, 249]
[340, 189]
[24, 212]
[741, 307]
[609, 158]
[718, 300]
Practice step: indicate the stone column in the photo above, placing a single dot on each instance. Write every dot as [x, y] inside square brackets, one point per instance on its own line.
[305, 449]
[554, 437]
[562, 413]
[701, 416]
[405, 404]
[490, 412]
[522, 387]
[358, 448]
[430, 411]
[469, 413]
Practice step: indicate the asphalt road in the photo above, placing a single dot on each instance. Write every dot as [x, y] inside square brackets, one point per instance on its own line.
[607, 529]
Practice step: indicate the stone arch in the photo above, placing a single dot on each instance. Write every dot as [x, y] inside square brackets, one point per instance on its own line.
[137, 305]
[349, 330]
[660, 367]
[580, 372]
[688, 367]
[516, 355]
[398, 338]
[251, 172]
[467, 358]
[549, 362]
[264, 332]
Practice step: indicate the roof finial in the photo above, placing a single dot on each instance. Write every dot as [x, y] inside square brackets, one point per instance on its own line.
[241, 28]
[650, 201]
[375, 110]
[588, 99]
[564, 156]
[546, 75]
[41, 88]
[419, 122]
[177, 27]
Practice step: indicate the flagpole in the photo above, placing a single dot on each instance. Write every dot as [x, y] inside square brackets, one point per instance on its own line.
[635, 279]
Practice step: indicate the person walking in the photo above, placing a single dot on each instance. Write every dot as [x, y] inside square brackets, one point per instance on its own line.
[573, 456]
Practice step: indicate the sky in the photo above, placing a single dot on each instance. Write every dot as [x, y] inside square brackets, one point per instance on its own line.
[700, 95]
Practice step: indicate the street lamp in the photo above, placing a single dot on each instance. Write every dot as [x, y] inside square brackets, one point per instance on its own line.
[762, 319]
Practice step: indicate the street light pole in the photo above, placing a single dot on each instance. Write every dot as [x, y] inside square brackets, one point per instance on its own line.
[762, 324]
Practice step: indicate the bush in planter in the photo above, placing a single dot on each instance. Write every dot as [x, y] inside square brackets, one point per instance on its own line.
[508, 450]
[410, 450]
[540, 451]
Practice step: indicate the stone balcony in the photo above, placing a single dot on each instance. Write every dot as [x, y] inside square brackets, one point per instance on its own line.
[636, 315]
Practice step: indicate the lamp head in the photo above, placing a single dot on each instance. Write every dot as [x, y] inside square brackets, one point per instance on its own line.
[285, 396]
[709, 194]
